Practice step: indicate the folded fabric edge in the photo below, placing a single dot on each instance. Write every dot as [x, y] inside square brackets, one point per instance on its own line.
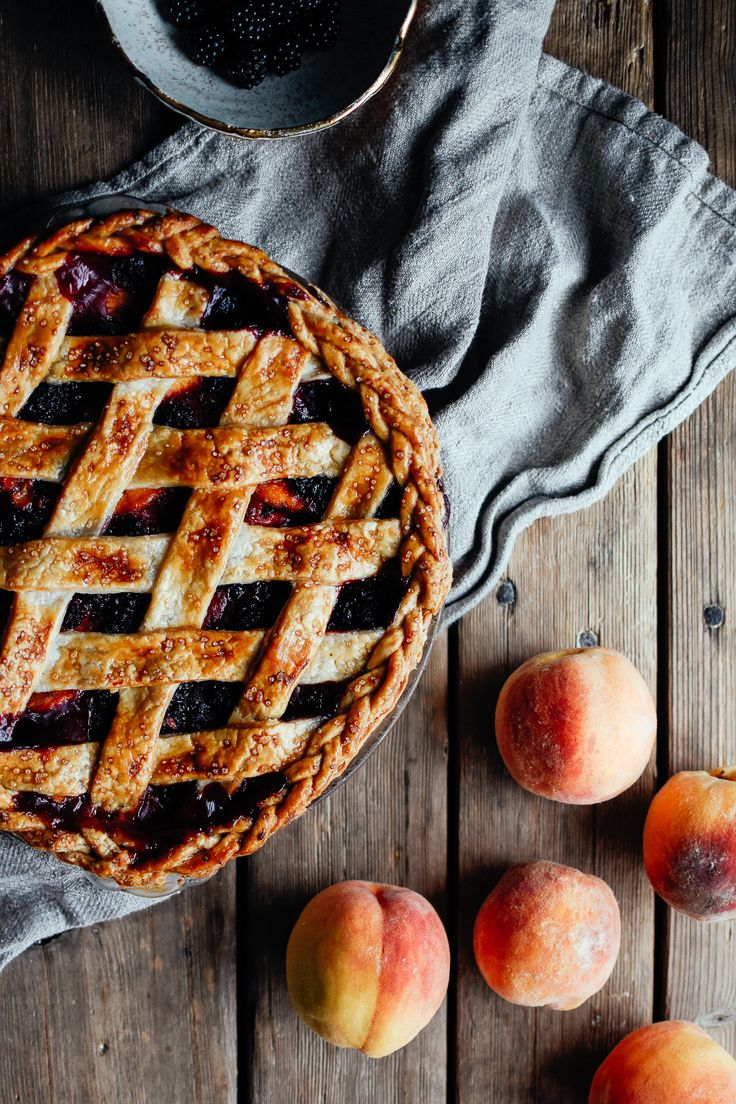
[72, 899]
[715, 361]
[711, 366]
[597, 97]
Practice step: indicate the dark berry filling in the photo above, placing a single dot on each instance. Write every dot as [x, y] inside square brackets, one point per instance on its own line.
[181, 808]
[6, 604]
[110, 295]
[201, 706]
[391, 505]
[321, 699]
[66, 403]
[61, 814]
[13, 290]
[289, 502]
[369, 603]
[445, 504]
[26, 506]
[237, 303]
[246, 39]
[197, 404]
[106, 613]
[166, 816]
[59, 718]
[331, 402]
[142, 513]
[241, 607]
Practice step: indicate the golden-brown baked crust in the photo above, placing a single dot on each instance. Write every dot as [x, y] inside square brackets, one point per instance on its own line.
[212, 546]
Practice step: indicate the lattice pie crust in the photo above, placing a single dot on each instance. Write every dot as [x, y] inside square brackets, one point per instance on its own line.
[83, 800]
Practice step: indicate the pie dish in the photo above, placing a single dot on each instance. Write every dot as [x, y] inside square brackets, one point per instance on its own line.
[221, 544]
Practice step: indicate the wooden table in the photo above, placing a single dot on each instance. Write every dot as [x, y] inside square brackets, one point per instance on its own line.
[187, 1002]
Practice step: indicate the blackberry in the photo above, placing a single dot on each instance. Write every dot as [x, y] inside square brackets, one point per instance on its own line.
[185, 13]
[319, 9]
[248, 68]
[307, 8]
[286, 56]
[246, 23]
[207, 45]
[280, 13]
[320, 33]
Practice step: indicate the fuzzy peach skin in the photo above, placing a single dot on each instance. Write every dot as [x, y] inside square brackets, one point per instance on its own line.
[368, 965]
[547, 935]
[672, 1062]
[690, 843]
[576, 726]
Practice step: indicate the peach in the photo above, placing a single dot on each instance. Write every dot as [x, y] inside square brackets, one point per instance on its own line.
[368, 965]
[547, 935]
[576, 726]
[673, 1061]
[690, 844]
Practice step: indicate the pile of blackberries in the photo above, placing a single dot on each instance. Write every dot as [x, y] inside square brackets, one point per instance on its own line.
[246, 40]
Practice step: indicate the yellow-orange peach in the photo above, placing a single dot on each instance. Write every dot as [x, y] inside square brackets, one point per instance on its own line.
[368, 965]
[672, 1061]
[576, 726]
[690, 844]
[547, 935]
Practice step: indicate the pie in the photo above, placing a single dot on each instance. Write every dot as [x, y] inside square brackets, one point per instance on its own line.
[222, 544]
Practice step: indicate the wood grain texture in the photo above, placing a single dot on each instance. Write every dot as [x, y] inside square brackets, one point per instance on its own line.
[593, 573]
[698, 93]
[70, 111]
[386, 825]
[130, 1012]
[612, 39]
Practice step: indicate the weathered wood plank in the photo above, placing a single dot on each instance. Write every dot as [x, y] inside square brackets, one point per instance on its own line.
[610, 38]
[388, 824]
[593, 572]
[699, 979]
[134, 1011]
[71, 112]
[143, 1009]
[699, 90]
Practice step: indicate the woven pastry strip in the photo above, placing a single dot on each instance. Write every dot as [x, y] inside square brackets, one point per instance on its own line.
[187, 457]
[298, 634]
[212, 547]
[94, 485]
[327, 552]
[186, 582]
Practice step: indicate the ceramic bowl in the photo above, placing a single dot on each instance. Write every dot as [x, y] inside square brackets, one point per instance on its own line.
[327, 87]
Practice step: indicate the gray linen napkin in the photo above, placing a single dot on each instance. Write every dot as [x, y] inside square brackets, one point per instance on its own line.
[550, 262]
